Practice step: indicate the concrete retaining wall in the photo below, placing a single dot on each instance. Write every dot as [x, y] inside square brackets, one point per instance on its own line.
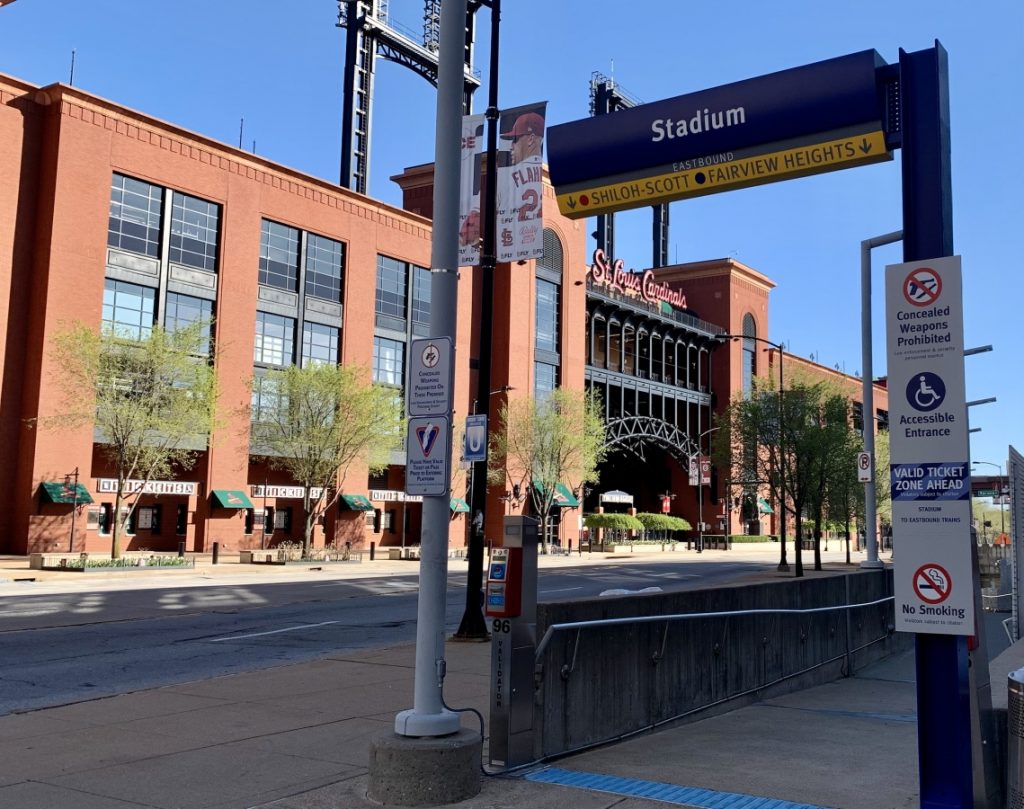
[622, 681]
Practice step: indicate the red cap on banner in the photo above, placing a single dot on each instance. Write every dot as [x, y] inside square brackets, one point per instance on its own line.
[529, 123]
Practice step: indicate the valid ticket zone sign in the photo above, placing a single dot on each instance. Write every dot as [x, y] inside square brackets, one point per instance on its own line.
[928, 441]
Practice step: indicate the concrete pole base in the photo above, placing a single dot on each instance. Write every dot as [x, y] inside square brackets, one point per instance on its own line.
[873, 564]
[425, 771]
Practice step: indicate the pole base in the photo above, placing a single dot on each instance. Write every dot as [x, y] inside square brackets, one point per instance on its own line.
[872, 564]
[410, 723]
[425, 772]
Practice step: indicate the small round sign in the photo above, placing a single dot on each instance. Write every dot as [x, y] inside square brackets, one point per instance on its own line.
[431, 355]
[932, 583]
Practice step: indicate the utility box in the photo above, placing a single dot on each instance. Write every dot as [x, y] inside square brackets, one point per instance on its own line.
[510, 604]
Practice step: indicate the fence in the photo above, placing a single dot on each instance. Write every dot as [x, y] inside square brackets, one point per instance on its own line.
[610, 668]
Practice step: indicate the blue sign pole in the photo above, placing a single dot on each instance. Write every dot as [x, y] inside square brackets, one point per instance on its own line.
[943, 685]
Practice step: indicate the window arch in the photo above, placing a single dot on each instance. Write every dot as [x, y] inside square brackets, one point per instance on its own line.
[749, 352]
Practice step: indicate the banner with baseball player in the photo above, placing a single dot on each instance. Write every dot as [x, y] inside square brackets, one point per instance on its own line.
[469, 189]
[520, 234]
[520, 222]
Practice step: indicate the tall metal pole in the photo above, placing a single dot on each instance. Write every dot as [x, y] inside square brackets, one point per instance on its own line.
[473, 626]
[428, 716]
[783, 564]
[74, 512]
[868, 394]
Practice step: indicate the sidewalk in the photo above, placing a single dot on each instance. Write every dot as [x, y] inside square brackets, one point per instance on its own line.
[298, 737]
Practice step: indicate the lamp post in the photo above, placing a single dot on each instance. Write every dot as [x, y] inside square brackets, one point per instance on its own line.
[700, 491]
[783, 564]
[74, 505]
[1002, 519]
[472, 625]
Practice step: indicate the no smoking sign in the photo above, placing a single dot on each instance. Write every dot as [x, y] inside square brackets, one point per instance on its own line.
[932, 584]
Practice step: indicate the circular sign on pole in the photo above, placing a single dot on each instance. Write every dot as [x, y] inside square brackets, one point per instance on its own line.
[922, 287]
[932, 583]
[864, 467]
[431, 355]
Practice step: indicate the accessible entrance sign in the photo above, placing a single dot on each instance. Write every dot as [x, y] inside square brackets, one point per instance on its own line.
[928, 441]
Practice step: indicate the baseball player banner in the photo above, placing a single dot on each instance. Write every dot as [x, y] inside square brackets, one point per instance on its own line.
[469, 189]
[520, 234]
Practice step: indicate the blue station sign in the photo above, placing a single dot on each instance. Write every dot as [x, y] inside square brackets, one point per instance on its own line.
[818, 117]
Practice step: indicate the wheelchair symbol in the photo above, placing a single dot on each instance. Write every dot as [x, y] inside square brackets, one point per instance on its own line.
[925, 391]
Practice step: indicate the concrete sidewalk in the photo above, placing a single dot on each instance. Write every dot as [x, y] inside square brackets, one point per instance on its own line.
[298, 737]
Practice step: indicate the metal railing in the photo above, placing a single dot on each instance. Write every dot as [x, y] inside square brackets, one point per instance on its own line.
[686, 616]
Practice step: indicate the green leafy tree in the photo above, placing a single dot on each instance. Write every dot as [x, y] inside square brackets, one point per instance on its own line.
[786, 456]
[844, 498]
[540, 444]
[315, 422]
[152, 402]
[834, 462]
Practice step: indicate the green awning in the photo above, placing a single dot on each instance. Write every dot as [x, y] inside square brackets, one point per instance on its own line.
[70, 493]
[356, 502]
[564, 498]
[764, 506]
[458, 505]
[230, 498]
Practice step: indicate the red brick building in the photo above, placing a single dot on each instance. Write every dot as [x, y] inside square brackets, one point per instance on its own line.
[111, 217]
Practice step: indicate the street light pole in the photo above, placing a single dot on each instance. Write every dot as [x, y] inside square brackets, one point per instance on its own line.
[472, 626]
[700, 492]
[783, 564]
[74, 508]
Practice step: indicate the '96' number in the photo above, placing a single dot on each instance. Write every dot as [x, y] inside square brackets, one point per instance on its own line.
[501, 626]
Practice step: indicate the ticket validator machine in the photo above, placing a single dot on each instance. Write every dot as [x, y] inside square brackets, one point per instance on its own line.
[511, 608]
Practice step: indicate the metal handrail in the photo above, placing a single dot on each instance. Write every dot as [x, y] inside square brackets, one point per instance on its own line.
[651, 619]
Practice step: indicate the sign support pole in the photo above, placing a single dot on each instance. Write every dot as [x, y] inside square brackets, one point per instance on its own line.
[428, 716]
[943, 691]
[868, 394]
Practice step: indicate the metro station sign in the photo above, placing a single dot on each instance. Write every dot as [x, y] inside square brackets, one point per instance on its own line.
[806, 120]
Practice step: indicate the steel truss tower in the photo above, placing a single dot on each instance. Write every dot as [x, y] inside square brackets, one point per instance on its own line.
[607, 97]
[370, 34]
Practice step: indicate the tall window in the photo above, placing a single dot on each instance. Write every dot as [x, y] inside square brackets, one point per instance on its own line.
[184, 310]
[319, 344]
[547, 315]
[194, 229]
[279, 256]
[749, 353]
[325, 259]
[547, 312]
[420, 295]
[266, 401]
[128, 309]
[388, 361]
[135, 215]
[391, 290]
[275, 339]
[545, 380]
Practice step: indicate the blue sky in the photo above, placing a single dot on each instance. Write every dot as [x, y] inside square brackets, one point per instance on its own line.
[205, 65]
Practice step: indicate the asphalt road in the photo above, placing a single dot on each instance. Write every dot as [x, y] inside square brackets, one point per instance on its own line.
[80, 641]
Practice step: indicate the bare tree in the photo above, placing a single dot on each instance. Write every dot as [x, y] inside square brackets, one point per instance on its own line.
[315, 422]
[543, 444]
[152, 402]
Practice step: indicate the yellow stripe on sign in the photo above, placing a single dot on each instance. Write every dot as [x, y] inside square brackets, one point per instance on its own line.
[787, 164]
